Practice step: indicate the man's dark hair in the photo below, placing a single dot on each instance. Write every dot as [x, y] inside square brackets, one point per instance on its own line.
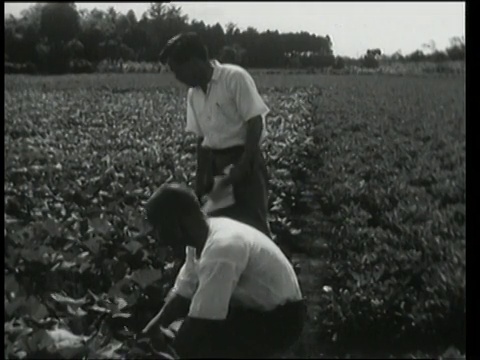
[182, 48]
[170, 201]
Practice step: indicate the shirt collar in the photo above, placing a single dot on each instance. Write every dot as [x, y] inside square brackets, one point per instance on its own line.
[216, 69]
[216, 72]
[191, 251]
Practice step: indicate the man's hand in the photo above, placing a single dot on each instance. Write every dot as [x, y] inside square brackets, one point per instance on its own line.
[215, 194]
[234, 174]
[203, 186]
[173, 310]
[238, 172]
[204, 176]
[243, 168]
[219, 191]
[152, 322]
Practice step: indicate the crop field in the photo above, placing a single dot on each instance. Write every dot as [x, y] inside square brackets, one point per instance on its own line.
[367, 197]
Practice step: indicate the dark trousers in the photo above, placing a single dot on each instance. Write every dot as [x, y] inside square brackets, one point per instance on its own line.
[250, 334]
[251, 194]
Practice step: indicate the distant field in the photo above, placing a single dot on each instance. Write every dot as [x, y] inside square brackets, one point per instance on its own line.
[367, 196]
[149, 81]
[264, 77]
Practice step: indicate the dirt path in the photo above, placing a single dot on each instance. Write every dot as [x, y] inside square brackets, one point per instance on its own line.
[310, 270]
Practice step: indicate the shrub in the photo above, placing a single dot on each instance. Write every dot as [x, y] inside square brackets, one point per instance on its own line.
[339, 63]
[128, 67]
[26, 68]
[78, 66]
[370, 62]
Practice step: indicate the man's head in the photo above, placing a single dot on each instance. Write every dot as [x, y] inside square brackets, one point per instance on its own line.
[187, 57]
[174, 213]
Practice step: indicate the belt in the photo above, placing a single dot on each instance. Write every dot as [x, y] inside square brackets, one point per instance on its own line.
[229, 150]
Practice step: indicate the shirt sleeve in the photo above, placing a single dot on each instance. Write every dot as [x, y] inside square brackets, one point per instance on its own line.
[217, 280]
[218, 276]
[192, 121]
[248, 101]
[187, 279]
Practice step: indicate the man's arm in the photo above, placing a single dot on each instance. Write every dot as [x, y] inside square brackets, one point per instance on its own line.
[252, 109]
[178, 300]
[174, 309]
[210, 304]
[254, 133]
[203, 180]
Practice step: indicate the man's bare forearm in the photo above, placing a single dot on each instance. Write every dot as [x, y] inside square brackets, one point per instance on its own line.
[252, 146]
[203, 161]
[254, 133]
[177, 307]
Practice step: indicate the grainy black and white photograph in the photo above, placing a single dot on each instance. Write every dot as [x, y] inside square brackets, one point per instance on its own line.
[235, 180]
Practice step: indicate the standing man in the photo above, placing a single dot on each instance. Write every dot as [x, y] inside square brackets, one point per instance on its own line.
[227, 114]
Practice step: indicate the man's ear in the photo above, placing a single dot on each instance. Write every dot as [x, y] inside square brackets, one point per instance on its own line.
[186, 228]
[176, 225]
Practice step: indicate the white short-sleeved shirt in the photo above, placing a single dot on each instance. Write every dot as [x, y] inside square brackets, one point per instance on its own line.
[239, 266]
[220, 116]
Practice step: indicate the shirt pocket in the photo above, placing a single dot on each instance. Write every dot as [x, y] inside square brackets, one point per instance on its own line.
[224, 110]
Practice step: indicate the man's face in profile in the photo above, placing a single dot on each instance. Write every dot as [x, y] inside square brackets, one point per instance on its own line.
[186, 72]
[167, 236]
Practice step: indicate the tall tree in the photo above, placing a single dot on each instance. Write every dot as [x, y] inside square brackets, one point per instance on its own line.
[59, 22]
[135, 36]
[49, 32]
[430, 47]
[96, 30]
[23, 34]
[215, 40]
[156, 10]
[132, 18]
[456, 50]
[231, 29]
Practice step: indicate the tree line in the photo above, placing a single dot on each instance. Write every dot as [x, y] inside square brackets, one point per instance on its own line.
[59, 38]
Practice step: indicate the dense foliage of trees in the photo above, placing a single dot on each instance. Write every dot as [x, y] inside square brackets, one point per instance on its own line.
[58, 38]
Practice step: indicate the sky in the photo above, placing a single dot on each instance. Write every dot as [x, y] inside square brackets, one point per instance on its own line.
[353, 27]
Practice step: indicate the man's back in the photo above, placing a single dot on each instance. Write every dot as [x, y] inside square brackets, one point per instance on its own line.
[244, 282]
[267, 278]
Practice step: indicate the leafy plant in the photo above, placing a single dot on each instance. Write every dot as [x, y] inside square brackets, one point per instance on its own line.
[367, 176]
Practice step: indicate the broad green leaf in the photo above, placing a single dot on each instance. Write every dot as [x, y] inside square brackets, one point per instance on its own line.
[121, 315]
[109, 351]
[61, 299]
[76, 311]
[12, 307]
[35, 309]
[146, 277]
[101, 226]
[94, 245]
[61, 341]
[11, 284]
[133, 246]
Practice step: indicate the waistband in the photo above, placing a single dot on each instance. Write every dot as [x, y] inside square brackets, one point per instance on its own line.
[293, 303]
[228, 150]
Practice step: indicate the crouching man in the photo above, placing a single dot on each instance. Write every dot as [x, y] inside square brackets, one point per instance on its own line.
[238, 293]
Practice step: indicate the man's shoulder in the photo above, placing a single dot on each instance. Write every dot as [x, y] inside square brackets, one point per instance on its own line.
[192, 92]
[226, 224]
[226, 235]
[225, 230]
[231, 67]
[230, 71]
